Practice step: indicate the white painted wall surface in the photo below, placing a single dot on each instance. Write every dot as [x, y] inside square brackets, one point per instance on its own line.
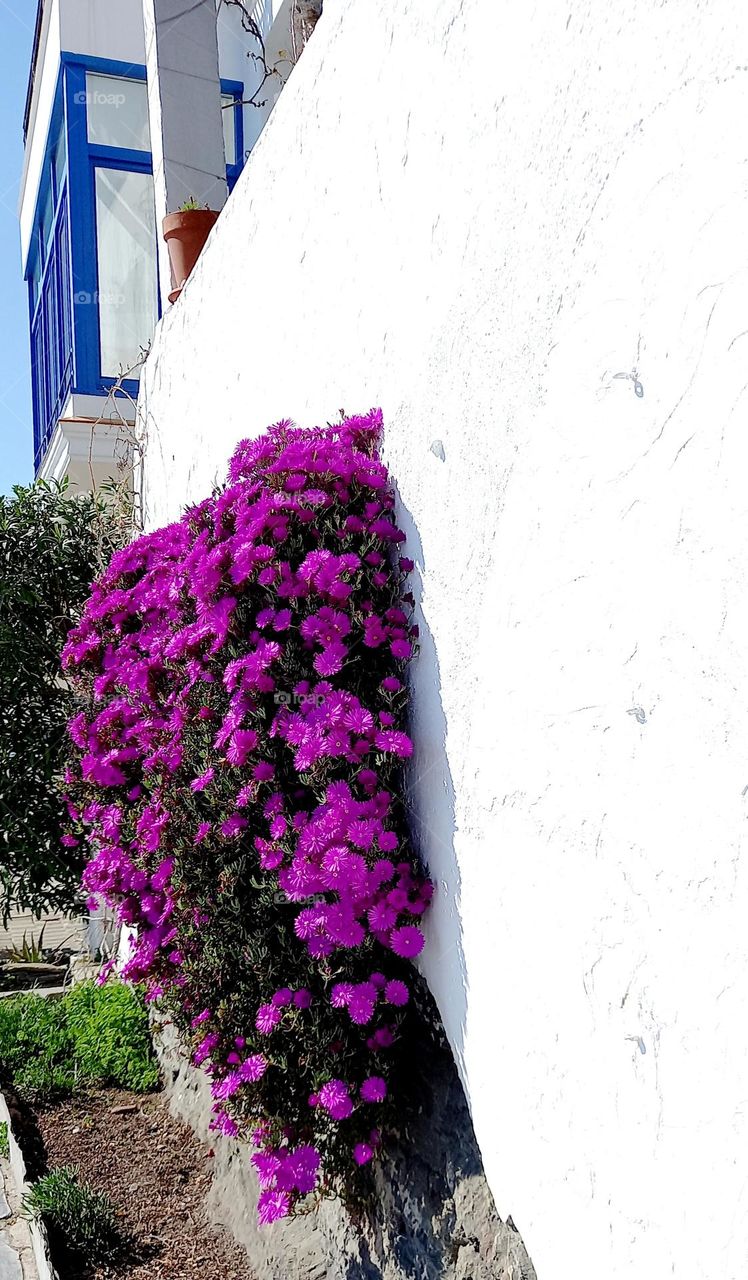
[239, 54]
[104, 28]
[484, 217]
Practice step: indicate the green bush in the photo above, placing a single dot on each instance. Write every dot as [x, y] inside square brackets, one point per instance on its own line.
[50, 1046]
[80, 1220]
[52, 544]
[35, 1045]
[109, 1027]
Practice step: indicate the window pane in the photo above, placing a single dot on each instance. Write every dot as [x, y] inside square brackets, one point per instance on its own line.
[34, 281]
[45, 222]
[228, 111]
[117, 111]
[60, 159]
[126, 251]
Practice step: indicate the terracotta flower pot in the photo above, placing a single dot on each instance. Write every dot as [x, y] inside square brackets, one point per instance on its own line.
[185, 234]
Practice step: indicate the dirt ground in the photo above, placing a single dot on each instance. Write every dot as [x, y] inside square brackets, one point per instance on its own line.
[156, 1173]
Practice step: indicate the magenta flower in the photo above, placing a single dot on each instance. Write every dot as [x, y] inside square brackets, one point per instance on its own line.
[242, 743]
[362, 1002]
[407, 941]
[228, 1086]
[272, 1205]
[335, 1098]
[399, 744]
[303, 1168]
[205, 779]
[374, 1089]
[242, 760]
[267, 1165]
[382, 916]
[223, 1123]
[233, 826]
[268, 1017]
[253, 1068]
[341, 994]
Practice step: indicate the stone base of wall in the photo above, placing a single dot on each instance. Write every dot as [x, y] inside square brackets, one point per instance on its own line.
[434, 1216]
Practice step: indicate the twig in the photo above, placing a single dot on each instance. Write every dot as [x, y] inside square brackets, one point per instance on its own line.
[129, 436]
[251, 26]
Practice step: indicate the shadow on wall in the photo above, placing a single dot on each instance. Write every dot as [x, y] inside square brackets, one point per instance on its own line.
[431, 806]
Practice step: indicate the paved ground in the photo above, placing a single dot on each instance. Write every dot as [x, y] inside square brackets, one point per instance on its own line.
[10, 1262]
[18, 1256]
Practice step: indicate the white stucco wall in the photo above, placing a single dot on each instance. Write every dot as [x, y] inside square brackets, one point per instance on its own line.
[486, 217]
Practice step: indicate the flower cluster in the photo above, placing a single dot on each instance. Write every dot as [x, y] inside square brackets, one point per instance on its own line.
[237, 775]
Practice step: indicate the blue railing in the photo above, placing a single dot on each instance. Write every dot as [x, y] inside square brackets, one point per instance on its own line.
[52, 334]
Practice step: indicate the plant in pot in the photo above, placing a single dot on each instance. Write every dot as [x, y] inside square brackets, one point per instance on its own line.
[185, 233]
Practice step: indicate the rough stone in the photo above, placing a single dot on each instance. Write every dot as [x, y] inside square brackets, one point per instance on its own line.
[10, 1263]
[5, 1209]
[433, 1215]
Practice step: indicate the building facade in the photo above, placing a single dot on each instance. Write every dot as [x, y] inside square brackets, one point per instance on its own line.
[88, 223]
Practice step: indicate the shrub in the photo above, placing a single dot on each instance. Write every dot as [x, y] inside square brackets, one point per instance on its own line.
[35, 1045]
[110, 1034]
[79, 1220]
[239, 780]
[52, 545]
[98, 1035]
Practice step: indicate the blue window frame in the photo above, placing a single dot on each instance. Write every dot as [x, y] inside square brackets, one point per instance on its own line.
[232, 93]
[49, 281]
[87, 159]
[62, 268]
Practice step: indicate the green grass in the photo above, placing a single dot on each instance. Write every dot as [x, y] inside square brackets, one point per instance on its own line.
[81, 1220]
[98, 1035]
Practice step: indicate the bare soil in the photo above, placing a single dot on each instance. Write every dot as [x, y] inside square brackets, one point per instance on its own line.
[154, 1170]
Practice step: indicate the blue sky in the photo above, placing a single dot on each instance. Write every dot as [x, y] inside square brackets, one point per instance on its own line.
[16, 31]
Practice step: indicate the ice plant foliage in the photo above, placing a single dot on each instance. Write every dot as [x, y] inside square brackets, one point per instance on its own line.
[237, 776]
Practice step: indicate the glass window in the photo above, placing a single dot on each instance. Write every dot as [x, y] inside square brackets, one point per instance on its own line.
[127, 273]
[59, 161]
[117, 112]
[228, 111]
[35, 279]
[46, 218]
